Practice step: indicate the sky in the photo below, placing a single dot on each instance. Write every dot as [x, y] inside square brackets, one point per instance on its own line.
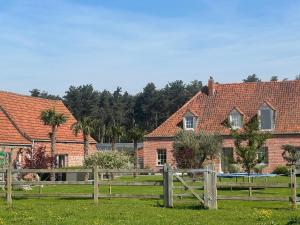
[52, 44]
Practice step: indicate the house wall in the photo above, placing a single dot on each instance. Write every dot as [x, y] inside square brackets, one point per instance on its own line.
[73, 150]
[274, 151]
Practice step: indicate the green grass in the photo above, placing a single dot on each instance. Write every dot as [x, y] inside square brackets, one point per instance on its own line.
[133, 211]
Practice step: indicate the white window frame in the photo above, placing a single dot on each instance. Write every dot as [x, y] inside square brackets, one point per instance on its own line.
[272, 116]
[234, 111]
[158, 153]
[194, 121]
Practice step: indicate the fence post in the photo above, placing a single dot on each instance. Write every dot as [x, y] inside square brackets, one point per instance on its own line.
[168, 186]
[293, 187]
[96, 183]
[9, 180]
[210, 188]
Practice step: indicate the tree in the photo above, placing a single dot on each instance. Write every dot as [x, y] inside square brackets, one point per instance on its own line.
[248, 142]
[135, 134]
[274, 78]
[53, 119]
[290, 154]
[85, 126]
[43, 94]
[252, 78]
[115, 132]
[191, 149]
[80, 100]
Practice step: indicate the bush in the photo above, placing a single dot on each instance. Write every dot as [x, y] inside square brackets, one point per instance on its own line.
[109, 160]
[259, 168]
[234, 168]
[281, 170]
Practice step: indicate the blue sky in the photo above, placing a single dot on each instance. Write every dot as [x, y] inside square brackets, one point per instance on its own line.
[52, 44]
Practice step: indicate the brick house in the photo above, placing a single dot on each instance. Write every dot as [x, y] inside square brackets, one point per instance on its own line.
[21, 127]
[277, 105]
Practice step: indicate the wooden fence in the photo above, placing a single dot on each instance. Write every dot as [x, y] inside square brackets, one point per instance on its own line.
[208, 175]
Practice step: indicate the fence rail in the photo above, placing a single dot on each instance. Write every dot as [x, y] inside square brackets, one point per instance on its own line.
[207, 182]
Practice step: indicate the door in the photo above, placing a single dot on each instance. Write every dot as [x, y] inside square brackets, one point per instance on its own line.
[226, 159]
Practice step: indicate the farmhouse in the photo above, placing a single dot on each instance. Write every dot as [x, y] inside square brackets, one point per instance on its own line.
[21, 127]
[276, 104]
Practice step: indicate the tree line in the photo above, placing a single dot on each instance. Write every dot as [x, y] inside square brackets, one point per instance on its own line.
[119, 114]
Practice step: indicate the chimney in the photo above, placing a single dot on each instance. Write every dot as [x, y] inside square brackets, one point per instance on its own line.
[211, 86]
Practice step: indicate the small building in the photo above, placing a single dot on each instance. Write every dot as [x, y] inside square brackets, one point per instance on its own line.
[21, 127]
[276, 104]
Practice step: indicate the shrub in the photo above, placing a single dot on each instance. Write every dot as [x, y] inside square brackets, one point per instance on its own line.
[37, 158]
[281, 170]
[109, 160]
[259, 168]
[234, 168]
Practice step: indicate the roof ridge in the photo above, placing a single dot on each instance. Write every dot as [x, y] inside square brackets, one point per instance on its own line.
[23, 134]
[28, 96]
[257, 82]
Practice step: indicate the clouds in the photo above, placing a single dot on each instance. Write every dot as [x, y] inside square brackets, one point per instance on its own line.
[54, 44]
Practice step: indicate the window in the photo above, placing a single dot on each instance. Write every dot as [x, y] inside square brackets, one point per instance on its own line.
[262, 155]
[298, 154]
[189, 122]
[235, 119]
[61, 161]
[266, 118]
[161, 157]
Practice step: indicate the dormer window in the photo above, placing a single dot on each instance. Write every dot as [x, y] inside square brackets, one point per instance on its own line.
[236, 119]
[266, 117]
[189, 121]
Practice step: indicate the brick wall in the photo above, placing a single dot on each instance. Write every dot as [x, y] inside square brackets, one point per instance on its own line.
[73, 150]
[274, 151]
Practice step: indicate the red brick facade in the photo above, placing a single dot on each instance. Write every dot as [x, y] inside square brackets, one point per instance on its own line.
[274, 151]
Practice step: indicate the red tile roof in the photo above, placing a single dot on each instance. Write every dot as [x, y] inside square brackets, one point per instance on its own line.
[20, 119]
[212, 111]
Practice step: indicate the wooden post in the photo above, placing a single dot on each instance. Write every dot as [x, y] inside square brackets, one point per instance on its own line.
[96, 182]
[210, 188]
[9, 180]
[168, 186]
[293, 187]
[250, 188]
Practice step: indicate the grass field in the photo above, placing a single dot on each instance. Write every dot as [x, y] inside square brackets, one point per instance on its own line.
[133, 211]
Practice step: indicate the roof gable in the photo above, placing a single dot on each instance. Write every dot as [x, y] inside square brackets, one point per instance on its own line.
[25, 111]
[284, 97]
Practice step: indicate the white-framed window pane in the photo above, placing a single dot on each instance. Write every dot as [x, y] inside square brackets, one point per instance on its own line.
[235, 119]
[161, 156]
[266, 119]
[189, 122]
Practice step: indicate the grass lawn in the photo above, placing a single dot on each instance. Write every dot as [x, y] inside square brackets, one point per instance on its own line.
[132, 211]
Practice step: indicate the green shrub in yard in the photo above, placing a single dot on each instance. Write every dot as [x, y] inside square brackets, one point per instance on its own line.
[281, 170]
[259, 168]
[109, 160]
[234, 168]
